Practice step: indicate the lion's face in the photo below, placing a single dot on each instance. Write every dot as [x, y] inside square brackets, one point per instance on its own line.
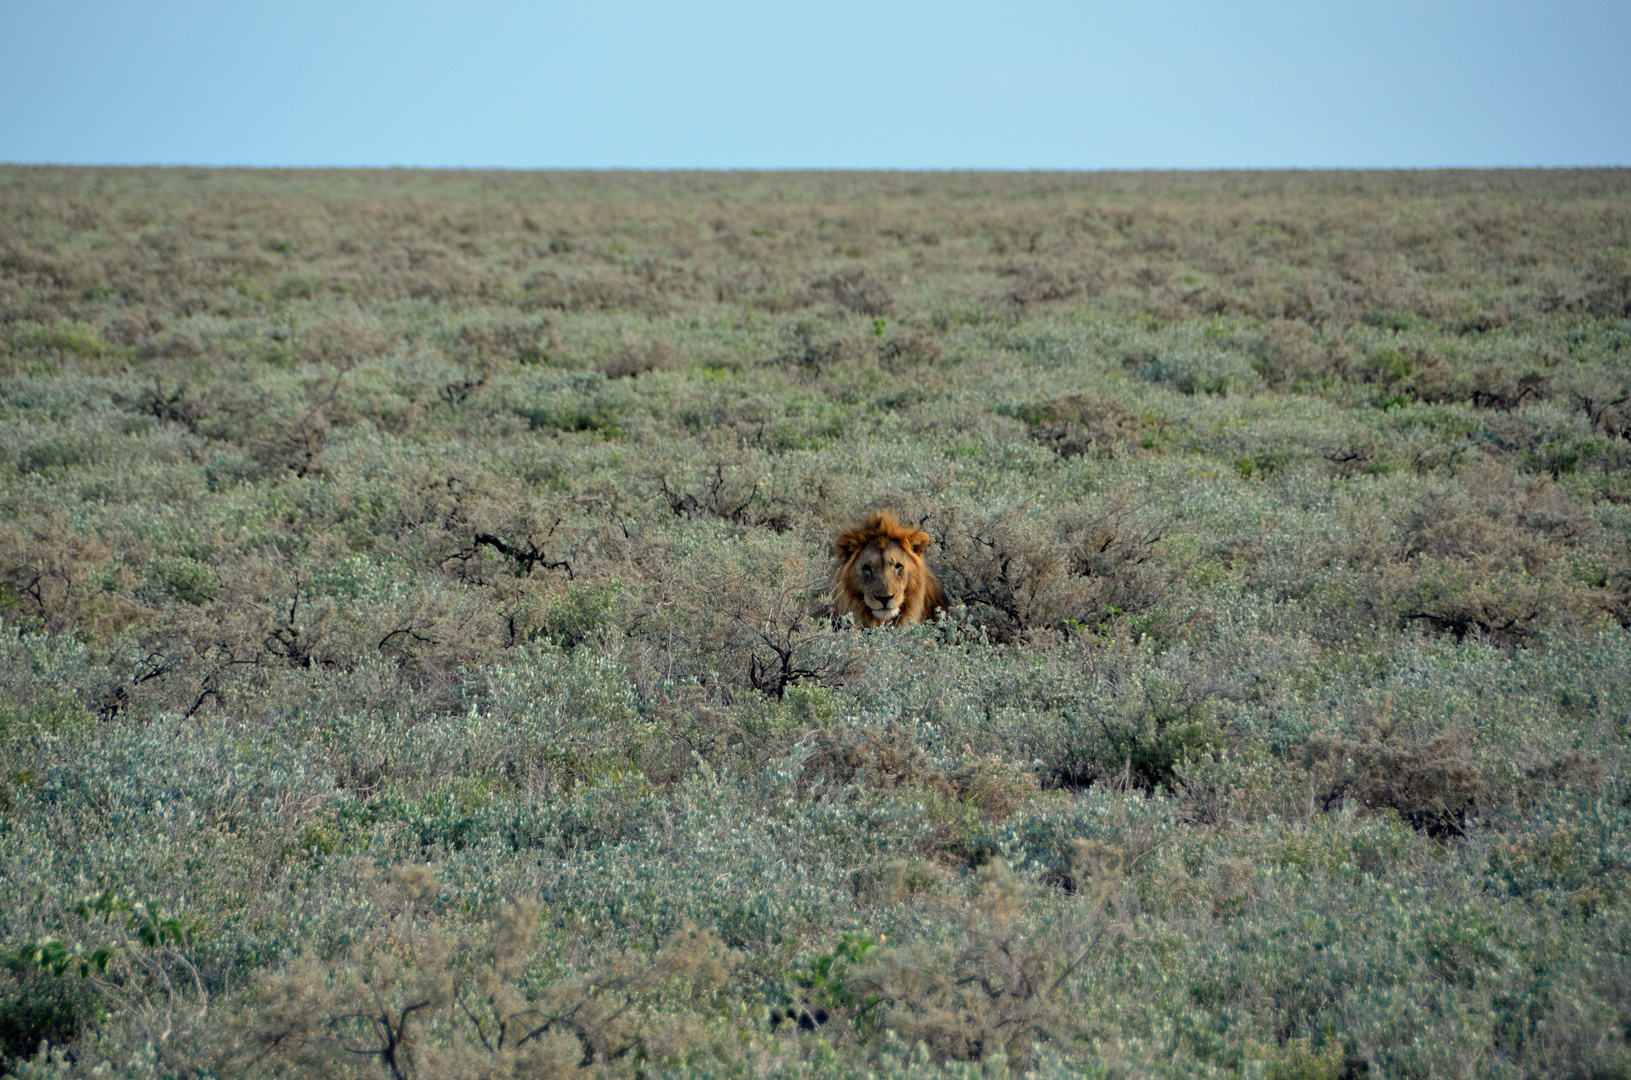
[883, 575]
[881, 578]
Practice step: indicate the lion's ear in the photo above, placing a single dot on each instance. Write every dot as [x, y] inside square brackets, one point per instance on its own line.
[919, 541]
[849, 542]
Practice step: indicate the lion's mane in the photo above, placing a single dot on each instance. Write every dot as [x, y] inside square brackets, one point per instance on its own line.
[923, 593]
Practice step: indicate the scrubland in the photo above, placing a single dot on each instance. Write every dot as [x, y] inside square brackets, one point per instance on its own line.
[417, 660]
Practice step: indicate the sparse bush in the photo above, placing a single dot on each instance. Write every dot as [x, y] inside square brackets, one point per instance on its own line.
[727, 489]
[1288, 353]
[812, 355]
[752, 618]
[1141, 741]
[1484, 558]
[1082, 424]
[64, 336]
[1432, 783]
[578, 614]
[854, 290]
[905, 351]
[633, 359]
[1024, 573]
[1214, 373]
[957, 793]
[576, 401]
[1036, 285]
[1002, 983]
[401, 1003]
[343, 342]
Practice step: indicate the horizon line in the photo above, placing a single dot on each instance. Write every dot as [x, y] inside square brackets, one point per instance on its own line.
[926, 169]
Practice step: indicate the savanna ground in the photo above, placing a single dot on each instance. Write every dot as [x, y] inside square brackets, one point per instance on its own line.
[416, 659]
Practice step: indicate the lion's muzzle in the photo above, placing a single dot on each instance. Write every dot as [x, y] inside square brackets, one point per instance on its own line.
[884, 608]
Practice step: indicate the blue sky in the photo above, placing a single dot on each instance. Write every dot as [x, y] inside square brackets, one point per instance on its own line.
[1166, 84]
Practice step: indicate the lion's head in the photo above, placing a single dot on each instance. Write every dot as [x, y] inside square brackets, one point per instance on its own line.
[882, 579]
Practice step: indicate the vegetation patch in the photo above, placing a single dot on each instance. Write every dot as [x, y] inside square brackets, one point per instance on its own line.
[420, 659]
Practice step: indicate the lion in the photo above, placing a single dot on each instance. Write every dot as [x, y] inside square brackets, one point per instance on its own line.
[882, 579]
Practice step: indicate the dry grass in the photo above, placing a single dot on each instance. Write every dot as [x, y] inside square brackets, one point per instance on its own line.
[1471, 252]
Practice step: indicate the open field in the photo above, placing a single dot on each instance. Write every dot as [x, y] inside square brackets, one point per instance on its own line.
[417, 663]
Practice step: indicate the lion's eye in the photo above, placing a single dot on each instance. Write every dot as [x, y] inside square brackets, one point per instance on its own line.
[866, 571]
